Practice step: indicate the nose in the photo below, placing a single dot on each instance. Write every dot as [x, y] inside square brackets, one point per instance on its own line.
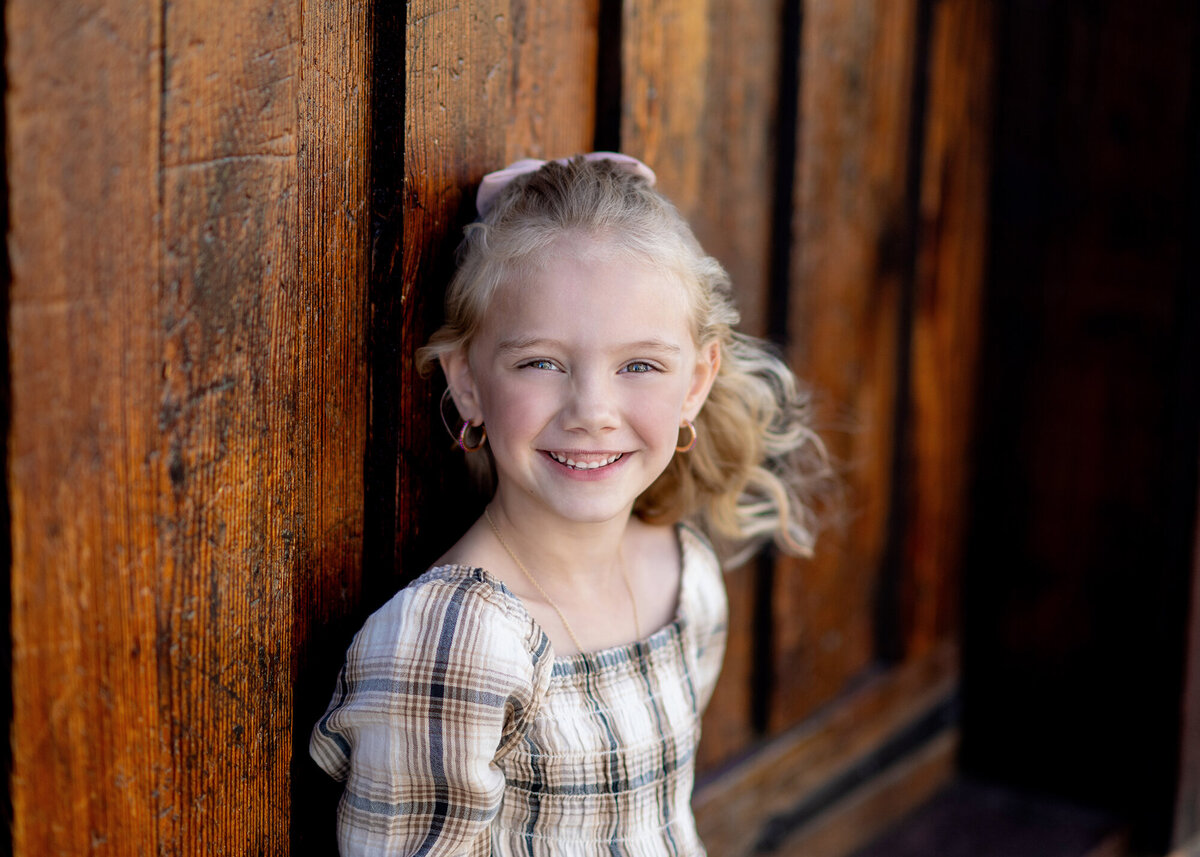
[592, 406]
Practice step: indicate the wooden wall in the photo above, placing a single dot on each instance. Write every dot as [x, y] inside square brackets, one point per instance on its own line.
[1082, 547]
[228, 234]
[188, 247]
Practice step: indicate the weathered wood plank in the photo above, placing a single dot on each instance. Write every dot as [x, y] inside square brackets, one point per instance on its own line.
[700, 109]
[946, 322]
[82, 109]
[82, 175]
[733, 811]
[737, 150]
[851, 218]
[159, 347]
[332, 243]
[664, 58]
[226, 494]
[485, 83]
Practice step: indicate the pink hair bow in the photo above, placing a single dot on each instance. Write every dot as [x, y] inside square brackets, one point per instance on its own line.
[495, 182]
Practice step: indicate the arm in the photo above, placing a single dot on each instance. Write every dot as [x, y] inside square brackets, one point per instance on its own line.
[435, 687]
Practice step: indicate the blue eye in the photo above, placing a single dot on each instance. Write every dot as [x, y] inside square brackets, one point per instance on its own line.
[547, 365]
[639, 367]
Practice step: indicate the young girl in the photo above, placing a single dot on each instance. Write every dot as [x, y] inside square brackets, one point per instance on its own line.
[539, 690]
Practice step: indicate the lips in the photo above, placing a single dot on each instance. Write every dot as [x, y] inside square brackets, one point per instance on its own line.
[586, 461]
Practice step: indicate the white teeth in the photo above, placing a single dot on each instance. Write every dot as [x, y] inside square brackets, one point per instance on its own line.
[583, 465]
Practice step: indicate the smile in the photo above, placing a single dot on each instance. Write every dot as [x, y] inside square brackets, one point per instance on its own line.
[593, 464]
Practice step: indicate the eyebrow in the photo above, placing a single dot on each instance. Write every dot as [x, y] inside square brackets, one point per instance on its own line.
[526, 343]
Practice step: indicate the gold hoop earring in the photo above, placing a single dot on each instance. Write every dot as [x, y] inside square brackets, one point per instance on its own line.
[687, 447]
[462, 437]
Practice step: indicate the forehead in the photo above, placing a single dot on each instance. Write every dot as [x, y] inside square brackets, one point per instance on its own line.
[583, 288]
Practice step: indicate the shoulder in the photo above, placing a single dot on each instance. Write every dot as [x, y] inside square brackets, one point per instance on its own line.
[699, 561]
[453, 612]
[702, 593]
[455, 647]
[703, 607]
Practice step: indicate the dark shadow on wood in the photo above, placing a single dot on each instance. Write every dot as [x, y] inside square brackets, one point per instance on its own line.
[608, 78]
[6, 697]
[787, 132]
[1079, 551]
[972, 819]
[899, 253]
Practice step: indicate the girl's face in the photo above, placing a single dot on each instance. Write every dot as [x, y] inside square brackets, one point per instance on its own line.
[583, 373]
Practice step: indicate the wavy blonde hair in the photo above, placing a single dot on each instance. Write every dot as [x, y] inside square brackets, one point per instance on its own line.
[757, 468]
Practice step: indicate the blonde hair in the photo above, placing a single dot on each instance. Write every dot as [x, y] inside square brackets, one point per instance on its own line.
[757, 467]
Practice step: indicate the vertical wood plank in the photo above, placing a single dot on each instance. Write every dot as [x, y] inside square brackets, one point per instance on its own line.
[334, 153]
[83, 243]
[701, 84]
[485, 83]
[946, 323]
[227, 495]
[844, 323]
[183, 431]
[664, 47]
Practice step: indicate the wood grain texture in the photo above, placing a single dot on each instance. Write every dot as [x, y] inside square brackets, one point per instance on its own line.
[85, 376]
[188, 410]
[229, 318]
[946, 321]
[486, 83]
[737, 150]
[665, 56]
[703, 114]
[332, 243]
[733, 812]
[844, 326]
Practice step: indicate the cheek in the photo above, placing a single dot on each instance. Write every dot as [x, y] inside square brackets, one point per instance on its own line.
[661, 414]
[515, 408]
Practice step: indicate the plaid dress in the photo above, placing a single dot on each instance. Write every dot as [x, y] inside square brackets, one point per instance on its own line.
[457, 731]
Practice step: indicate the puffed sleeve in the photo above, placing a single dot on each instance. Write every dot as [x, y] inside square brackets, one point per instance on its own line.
[707, 609]
[437, 686]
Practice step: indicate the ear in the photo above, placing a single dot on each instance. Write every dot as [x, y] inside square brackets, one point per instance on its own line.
[708, 363]
[461, 380]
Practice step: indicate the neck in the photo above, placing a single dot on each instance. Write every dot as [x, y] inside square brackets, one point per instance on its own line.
[562, 553]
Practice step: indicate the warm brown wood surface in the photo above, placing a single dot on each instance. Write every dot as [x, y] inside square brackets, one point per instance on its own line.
[227, 335]
[850, 220]
[330, 431]
[664, 56]
[86, 382]
[946, 318]
[186, 429]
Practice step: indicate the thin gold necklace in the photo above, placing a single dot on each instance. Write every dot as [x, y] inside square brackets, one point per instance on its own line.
[637, 625]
